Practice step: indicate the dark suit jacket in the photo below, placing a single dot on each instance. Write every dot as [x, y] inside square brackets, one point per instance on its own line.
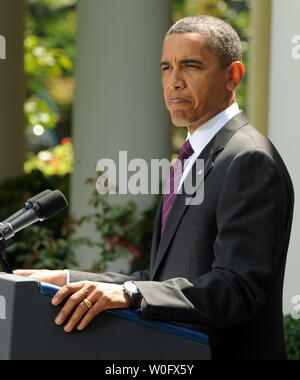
[219, 266]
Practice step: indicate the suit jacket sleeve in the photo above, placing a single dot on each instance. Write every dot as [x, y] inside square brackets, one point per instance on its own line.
[250, 216]
[109, 277]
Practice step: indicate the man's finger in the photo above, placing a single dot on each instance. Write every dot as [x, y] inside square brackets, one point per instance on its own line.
[81, 309]
[65, 291]
[90, 315]
[71, 303]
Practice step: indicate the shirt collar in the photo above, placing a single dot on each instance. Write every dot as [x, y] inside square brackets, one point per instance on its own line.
[202, 136]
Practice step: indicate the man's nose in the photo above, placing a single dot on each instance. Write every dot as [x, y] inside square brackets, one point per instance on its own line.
[176, 81]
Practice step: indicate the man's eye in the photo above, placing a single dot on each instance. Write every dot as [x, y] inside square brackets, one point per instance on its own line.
[193, 66]
[165, 68]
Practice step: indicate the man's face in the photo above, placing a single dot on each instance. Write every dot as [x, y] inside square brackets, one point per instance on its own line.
[193, 81]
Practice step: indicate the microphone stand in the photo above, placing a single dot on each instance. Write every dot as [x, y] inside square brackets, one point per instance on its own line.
[3, 257]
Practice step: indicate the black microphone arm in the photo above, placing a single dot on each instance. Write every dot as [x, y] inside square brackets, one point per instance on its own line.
[28, 205]
[8, 230]
[39, 208]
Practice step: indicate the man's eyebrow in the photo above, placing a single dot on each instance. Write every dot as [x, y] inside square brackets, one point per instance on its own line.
[184, 61]
[191, 60]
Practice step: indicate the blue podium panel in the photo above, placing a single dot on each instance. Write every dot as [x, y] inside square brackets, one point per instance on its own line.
[28, 331]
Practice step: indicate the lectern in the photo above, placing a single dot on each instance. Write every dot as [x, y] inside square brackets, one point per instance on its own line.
[28, 331]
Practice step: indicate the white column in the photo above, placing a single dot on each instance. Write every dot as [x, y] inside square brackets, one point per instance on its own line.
[259, 64]
[119, 103]
[284, 127]
[12, 90]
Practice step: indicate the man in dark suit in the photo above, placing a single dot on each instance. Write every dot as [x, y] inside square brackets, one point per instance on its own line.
[217, 266]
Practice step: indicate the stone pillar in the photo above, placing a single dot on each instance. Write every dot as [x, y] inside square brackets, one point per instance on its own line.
[12, 88]
[259, 63]
[119, 103]
[284, 128]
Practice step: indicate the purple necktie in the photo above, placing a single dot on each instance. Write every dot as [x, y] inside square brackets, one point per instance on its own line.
[173, 183]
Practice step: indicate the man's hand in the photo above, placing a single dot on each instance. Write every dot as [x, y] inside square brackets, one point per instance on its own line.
[54, 277]
[101, 296]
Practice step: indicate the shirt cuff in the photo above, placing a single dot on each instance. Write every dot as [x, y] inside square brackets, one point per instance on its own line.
[68, 275]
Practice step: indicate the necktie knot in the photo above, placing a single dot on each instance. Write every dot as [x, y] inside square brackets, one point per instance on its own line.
[186, 151]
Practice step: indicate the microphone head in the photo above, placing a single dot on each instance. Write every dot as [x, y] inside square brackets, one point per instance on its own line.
[51, 204]
[32, 200]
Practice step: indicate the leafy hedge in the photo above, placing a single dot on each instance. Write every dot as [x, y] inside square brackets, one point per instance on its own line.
[292, 337]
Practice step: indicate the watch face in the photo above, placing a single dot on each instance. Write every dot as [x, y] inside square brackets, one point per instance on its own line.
[131, 287]
[134, 294]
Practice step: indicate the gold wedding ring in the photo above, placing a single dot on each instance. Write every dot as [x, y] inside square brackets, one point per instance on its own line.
[88, 303]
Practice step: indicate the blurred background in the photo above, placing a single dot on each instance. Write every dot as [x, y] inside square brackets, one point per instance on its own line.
[81, 82]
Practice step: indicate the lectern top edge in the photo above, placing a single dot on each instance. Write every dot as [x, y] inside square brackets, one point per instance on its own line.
[13, 278]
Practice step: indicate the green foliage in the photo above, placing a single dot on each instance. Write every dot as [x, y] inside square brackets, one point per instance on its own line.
[42, 63]
[50, 245]
[38, 112]
[49, 63]
[41, 249]
[56, 161]
[292, 337]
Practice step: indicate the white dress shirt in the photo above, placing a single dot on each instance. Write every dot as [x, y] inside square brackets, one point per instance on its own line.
[204, 134]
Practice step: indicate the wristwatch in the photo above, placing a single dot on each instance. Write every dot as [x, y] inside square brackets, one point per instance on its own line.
[132, 291]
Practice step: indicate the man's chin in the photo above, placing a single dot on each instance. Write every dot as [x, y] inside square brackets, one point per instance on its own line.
[179, 122]
[179, 119]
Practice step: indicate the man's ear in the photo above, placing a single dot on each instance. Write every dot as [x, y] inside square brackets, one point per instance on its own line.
[236, 74]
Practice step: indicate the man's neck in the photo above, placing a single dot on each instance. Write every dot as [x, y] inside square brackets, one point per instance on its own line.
[194, 127]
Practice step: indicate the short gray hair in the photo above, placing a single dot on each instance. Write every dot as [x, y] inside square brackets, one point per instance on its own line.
[223, 41]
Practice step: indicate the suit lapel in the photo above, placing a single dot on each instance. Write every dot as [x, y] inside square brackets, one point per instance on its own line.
[180, 205]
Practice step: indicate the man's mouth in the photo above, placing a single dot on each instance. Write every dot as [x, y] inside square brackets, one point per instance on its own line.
[176, 101]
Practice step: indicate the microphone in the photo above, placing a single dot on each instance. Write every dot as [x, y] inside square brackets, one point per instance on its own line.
[41, 209]
[31, 201]
[28, 205]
